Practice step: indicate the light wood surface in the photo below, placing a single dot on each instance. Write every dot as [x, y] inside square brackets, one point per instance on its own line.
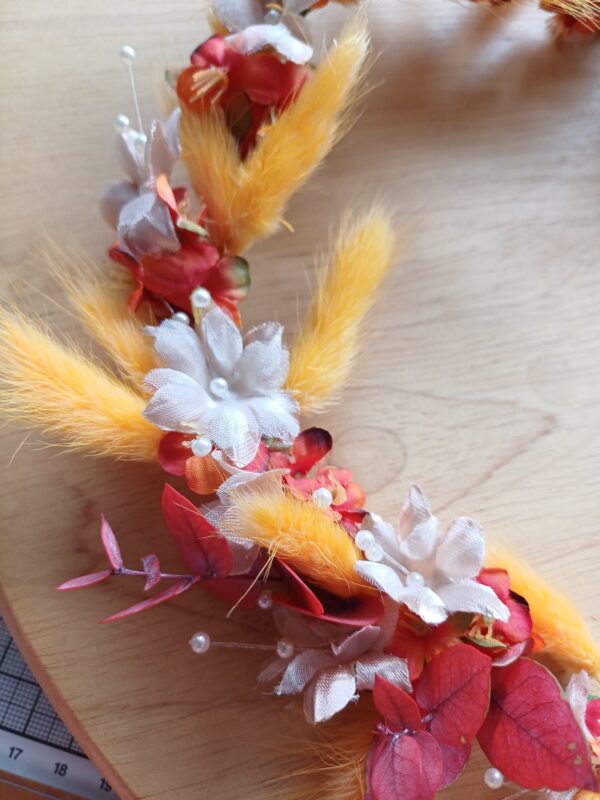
[479, 379]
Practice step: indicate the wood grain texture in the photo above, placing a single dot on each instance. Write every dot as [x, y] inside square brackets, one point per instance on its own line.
[479, 376]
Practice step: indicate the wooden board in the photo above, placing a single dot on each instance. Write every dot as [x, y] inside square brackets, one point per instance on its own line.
[479, 377]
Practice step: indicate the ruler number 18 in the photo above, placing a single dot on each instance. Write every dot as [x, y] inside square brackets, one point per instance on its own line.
[60, 769]
[14, 753]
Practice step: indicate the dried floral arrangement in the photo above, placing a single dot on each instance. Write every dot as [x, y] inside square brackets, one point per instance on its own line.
[437, 642]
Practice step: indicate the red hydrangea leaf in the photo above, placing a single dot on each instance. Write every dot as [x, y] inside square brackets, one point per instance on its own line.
[109, 540]
[432, 763]
[592, 717]
[85, 580]
[204, 550]
[395, 769]
[530, 733]
[310, 447]
[151, 566]
[173, 452]
[398, 709]
[454, 760]
[454, 691]
[300, 596]
[172, 591]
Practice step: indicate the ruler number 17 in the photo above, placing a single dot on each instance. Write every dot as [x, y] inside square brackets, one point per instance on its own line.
[14, 753]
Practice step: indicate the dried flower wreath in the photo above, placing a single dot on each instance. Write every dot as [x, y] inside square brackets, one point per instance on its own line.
[446, 645]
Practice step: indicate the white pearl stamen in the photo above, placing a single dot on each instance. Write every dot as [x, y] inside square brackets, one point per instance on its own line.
[200, 643]
[493, 778]
[201, 446]
[219, 387]
[322, 497]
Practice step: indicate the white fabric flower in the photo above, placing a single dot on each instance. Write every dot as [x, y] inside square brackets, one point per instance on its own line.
[222, 386]
[330, 675]
[432, 573]
[133, 208]
[256, 24]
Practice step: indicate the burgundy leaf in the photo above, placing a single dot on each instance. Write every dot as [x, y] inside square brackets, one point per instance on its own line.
[454, 691]
[300, 596]
[204, 550]
[530, 733]
[85, 580]
[172, 591]
[109, 540]
[454, 761]
[151, 566]
[398, 709]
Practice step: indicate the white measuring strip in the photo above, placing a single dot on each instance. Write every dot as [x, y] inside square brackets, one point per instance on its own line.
[50, 766]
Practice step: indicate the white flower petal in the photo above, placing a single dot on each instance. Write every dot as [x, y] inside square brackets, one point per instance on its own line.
[577, 695]
[392, 668]
[461, 552]
[145, 227]
[418, 527]
[115, 199]
[239, 14]
[383, 532]
[233, 431]
[275, 416]
[356, 644]
[272, 670]
[131, 157]
[329, 692]
[279, 37]
[474, 598]
[179, 347]
[160, 157]
[176, 406]
[382, 577]
[301, 669]
[425, 603]
[222, 340]
[262, 367]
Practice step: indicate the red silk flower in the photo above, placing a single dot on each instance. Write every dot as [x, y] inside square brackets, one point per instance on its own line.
[245, 86]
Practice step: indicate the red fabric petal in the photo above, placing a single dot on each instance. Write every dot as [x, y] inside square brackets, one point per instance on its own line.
[308, 448]
[592, 717]
[497, 580]
[173, 452]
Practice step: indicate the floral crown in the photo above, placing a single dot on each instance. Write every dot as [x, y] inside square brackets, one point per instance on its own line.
[435, 639]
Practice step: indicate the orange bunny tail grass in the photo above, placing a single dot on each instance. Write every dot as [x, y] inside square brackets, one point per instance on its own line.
[568, 642]
[336, 760]
[246, 201]
[586, 12]
[323, 355]
[102, 308]
[298, 532]
[58, 389]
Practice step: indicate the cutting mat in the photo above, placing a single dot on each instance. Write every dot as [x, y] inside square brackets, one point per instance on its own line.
[38, 755]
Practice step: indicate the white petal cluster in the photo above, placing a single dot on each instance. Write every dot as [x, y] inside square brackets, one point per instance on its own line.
[219, 384]
[255, 25]
[132, 207]
[431, 572]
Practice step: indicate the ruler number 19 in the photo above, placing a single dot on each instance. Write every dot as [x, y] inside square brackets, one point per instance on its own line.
[14, 753]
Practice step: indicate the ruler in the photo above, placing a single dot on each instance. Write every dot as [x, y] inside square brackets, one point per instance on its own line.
[38, 755]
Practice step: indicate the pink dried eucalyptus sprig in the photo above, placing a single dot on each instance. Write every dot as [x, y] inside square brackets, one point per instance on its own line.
[212, 560]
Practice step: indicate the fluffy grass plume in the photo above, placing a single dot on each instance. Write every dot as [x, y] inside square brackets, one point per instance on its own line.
[586, 11]
[246, 201]
[568, 642]
[298, 532]
[323, 354]
[101, 304]
[58, 389]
